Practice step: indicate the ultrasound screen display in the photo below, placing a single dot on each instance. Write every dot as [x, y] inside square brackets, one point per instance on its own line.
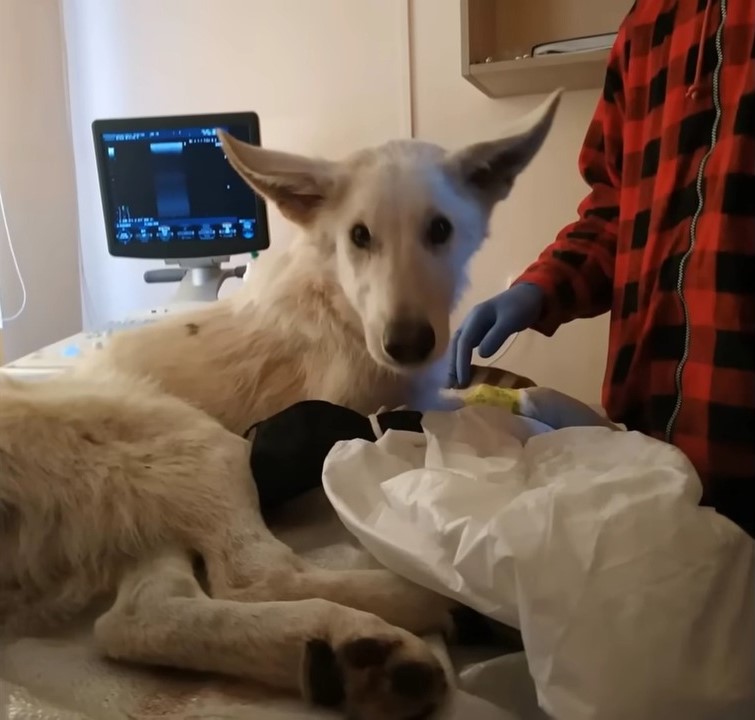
[171, 192]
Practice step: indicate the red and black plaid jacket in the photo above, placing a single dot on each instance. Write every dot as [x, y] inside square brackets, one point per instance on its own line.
[665, 239]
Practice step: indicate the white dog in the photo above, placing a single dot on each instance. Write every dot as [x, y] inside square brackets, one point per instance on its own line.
[129, 478]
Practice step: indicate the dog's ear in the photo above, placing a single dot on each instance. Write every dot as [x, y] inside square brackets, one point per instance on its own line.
[489, 168]
[296, 184]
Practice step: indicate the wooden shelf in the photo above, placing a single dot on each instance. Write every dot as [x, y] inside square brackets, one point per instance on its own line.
[498, 35]
[531, 76]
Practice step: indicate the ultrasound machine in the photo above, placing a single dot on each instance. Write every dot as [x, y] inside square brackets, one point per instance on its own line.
[168, 193]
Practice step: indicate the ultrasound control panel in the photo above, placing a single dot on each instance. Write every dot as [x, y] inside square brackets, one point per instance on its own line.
[64, 354]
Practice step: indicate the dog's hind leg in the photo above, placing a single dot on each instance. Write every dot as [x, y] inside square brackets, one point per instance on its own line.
[332, 654]
[245, 562]
[381, 592]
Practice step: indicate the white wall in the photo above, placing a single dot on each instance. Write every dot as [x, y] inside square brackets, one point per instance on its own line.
[36, 177]
[326, 77]
[449, 110]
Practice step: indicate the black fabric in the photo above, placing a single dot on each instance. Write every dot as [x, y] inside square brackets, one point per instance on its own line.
[409, 420]
[289, 449]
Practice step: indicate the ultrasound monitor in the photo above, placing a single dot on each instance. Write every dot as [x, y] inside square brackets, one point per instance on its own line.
[169, 193]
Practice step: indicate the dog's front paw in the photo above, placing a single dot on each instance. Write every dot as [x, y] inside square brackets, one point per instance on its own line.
[387, 676]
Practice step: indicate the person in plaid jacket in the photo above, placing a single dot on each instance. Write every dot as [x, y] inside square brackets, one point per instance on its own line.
[665, 242]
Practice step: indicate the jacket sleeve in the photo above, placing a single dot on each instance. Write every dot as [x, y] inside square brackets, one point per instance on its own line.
[576, 271]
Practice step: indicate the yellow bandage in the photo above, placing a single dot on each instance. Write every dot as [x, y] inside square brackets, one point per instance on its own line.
[493, 395]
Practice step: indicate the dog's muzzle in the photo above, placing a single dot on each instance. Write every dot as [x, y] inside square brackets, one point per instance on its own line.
[409, 342]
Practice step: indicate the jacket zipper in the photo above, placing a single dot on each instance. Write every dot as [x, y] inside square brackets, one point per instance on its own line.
[696, 218]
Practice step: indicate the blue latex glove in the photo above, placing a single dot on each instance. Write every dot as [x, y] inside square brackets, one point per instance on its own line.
[489, 325]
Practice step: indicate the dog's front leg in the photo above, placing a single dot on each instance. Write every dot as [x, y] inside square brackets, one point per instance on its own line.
[426, 391]
[333, 655]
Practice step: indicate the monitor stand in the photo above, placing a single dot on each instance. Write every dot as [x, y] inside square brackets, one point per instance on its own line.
[199, 279]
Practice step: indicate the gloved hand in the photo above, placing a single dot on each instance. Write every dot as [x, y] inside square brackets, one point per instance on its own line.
[489, 325]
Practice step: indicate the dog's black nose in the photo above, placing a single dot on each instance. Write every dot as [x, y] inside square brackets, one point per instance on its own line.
[409, 341]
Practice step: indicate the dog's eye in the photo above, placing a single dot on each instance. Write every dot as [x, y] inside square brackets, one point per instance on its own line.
[360, 235]
[439, 230]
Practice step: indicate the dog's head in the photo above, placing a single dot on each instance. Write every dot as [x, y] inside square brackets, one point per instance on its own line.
[399, 224]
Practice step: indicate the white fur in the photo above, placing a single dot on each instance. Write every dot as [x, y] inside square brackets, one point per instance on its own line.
[115, 476]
